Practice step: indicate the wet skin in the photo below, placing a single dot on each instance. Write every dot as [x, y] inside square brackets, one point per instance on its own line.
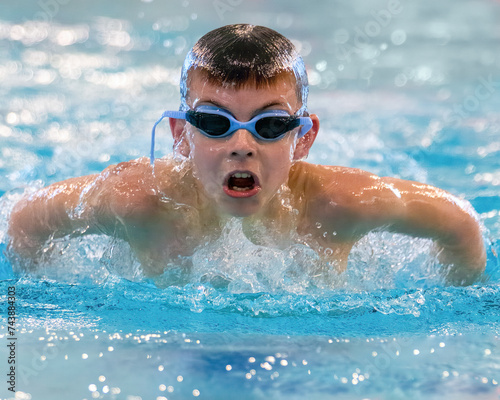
[182, 204]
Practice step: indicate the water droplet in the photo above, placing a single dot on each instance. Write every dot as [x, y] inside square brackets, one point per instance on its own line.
[398, 37]
[321, 65]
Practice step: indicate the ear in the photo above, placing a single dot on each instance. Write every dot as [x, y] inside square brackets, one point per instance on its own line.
[305, 142]
[181, 144]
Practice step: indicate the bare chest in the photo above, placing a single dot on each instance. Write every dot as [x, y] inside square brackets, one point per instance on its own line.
[176, 239]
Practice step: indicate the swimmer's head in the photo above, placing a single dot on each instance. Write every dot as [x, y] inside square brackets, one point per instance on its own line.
[240, 55]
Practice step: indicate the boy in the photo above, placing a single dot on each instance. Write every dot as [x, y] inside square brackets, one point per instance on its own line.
[239, 140]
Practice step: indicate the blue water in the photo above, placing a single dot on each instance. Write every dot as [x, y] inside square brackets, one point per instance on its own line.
[415, 96]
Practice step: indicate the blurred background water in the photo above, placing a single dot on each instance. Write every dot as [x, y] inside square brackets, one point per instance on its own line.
[407, 89]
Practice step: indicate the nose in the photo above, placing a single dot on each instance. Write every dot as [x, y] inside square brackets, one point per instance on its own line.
[242, 144]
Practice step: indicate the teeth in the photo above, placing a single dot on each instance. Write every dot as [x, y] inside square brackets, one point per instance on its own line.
[242, 175]
[238, 189]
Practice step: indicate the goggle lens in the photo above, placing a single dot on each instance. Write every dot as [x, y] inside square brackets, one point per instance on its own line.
[275, 127]
[211, 124]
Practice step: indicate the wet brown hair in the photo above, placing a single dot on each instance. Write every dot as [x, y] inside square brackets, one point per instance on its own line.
[241, 54]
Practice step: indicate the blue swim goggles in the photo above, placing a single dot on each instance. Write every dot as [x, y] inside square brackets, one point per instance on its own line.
[214, 122]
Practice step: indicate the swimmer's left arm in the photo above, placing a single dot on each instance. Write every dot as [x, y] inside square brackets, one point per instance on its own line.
[434, 213]
[363, 202]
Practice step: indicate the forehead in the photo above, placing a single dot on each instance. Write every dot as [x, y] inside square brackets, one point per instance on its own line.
[280, 90]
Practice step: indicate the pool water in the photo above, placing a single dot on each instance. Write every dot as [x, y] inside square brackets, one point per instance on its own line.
[406, 90]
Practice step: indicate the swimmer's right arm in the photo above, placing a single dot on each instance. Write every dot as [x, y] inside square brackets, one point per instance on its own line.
[120, 196]
[45, 214]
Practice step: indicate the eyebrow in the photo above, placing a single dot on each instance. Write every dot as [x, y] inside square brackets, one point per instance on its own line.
[256, 112]
[273, 103]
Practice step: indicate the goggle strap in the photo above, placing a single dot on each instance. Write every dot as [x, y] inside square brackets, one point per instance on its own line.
[306, 125]
[170, 114]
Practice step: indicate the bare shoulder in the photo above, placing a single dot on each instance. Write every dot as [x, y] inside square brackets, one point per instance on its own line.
[319, 180]
[128, 172]
[345, 200]
[135, 188]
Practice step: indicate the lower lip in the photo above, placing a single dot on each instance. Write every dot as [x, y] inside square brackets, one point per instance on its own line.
[239, 195]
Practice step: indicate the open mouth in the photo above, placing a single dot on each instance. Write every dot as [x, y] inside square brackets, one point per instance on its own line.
[241, 184]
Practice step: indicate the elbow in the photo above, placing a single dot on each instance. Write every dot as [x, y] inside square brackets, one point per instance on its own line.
[23, 240]
[466, 257]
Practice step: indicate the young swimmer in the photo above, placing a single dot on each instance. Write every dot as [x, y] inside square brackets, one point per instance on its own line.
[240, 138]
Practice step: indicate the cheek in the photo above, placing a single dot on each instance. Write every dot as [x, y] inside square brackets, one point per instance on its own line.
[198, 150]
[281, 158]
[206, 157]
[286, 150]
